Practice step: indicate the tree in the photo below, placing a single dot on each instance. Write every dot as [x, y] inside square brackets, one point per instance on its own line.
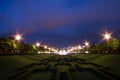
[114, 44]
[25, 48]
[7, 44]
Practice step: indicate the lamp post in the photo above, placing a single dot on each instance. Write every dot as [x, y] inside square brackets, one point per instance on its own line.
[107, 37]
[86, 45]
[37, 44]
[79, 47]
[45, 47]
[18, 37]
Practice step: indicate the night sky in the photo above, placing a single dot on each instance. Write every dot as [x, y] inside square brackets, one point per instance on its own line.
[60, 23]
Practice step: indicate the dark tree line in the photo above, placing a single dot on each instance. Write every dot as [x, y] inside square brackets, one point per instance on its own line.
[8, 45]
[112, 46]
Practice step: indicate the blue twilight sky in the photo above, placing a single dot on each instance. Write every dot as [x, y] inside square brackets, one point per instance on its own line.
[60, 23]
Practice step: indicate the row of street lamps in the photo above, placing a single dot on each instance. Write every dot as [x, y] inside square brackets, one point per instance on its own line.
[18, 37]
[106, 36]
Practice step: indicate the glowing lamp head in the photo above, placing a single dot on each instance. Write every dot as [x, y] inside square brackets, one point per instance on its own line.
[37, 44]
[107, 36]
[18, 37]
[45, 47]
[86, 43]
[79, 47]
[49, 48]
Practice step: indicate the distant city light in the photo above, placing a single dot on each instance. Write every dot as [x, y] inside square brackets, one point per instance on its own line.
[62, 52]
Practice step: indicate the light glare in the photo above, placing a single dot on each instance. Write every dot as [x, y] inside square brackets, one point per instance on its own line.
[18, 37]
[86, 43]
[107, 36]
[45, 47]
[38, 44]
[62, 52]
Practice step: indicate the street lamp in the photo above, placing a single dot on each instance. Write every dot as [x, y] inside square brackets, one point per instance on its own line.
[86, 44]
[18, 37]
[107, 37]
[45, 47]
[79, 47]
[37, 44]
[49, 48]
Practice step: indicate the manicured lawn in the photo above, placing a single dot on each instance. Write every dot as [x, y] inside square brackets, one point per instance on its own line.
[10, 63]
[54, 67]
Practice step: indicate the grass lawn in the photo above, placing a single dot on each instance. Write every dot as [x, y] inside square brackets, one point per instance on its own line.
[43, 67]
